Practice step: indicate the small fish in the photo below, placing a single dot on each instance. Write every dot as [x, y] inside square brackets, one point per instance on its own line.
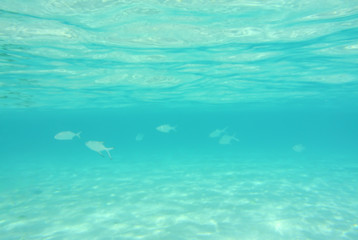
[226, 139]
[165, 128]
[99, 147]
[66, 135]
[139, 137]
[217, 133]
[298, 148]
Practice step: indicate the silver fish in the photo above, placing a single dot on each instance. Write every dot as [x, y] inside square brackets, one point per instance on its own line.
[165, 128]
[226, 139]
[298, 148]
[67, 135]
[99, 147]
[217, 133]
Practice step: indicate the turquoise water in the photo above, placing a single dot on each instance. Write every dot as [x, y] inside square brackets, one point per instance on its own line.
[257, 103]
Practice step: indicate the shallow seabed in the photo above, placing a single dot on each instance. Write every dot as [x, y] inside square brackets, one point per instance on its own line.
[167, 197]
[278, 79]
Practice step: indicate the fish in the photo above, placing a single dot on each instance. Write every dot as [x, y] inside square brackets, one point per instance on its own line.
[139, 137]
[165, 128]
[226, 139]
[298, 148]
[217, 133]
[99, 148]
[66, 135]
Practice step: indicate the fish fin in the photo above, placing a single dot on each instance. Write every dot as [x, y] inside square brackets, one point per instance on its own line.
[109, 154]
[100, 154]
[78, 134]
[233, 137]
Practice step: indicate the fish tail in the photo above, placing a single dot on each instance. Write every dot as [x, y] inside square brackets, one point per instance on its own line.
[78, 134]
[109, 154]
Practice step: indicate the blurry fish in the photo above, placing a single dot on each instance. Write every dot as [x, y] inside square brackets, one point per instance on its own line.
[226, 139]
[166, 128]
[298, 148]
[66, 135]
[139, 137]
[217, 133]
[99, 148]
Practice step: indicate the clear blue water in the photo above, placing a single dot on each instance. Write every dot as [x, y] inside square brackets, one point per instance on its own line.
[279, 78]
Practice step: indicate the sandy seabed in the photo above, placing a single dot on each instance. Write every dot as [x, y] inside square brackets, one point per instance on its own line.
[201, 199]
